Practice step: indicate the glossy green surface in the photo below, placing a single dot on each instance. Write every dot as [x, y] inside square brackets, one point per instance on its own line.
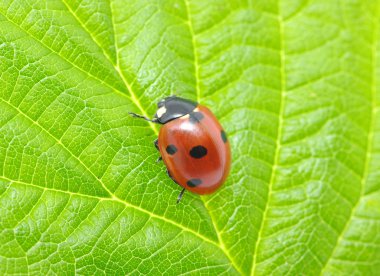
[294, 83]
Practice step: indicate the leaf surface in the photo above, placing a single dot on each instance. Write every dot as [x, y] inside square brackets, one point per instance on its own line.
[294, 83]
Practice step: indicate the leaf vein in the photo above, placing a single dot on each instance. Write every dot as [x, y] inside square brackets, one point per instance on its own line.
[118, 69]
[59, 143]
[278, 139]
[50, 224]
[194, 46]
[82, 24]
[369, 144]
[115, 199]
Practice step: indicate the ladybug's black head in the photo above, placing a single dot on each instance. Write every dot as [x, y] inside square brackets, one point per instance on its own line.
[173, 107]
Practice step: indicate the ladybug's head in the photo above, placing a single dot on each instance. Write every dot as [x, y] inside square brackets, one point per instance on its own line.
[173, 107]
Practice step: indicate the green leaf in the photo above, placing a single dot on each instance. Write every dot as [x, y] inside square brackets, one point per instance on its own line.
[294, 83]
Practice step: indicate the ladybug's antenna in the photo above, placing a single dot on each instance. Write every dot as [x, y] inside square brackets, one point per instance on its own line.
[143, 117]
[180, 195]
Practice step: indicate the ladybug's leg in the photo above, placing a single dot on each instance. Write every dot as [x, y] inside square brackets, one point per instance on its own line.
[156, 145]
[155, 120]
[168, 173]
[180, 195]
[183, 190]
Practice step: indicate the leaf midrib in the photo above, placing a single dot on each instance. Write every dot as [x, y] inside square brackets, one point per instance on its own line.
[198, 95]
[195, 54]
[134, 98]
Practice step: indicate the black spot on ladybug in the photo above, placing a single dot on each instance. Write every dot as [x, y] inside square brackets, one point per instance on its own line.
[194, 182]
[196, 117]
[198, 152]
[171, 149]
[224, 136]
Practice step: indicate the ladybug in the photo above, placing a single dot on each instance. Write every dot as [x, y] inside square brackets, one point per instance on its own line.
[192, 144]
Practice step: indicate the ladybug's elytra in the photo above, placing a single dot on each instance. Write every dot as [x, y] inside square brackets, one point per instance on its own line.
[192, 144]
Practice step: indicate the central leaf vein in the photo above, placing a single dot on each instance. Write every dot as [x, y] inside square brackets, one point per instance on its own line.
[222, 246]
[194, 46]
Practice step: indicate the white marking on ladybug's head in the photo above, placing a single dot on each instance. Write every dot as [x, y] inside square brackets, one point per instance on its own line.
[161, 111]
[187, 116]
[196, 109]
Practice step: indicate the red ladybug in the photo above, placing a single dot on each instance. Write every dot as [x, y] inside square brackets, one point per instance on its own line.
[193, 145]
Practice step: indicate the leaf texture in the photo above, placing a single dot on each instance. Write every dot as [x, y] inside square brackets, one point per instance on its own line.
[294, 83]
